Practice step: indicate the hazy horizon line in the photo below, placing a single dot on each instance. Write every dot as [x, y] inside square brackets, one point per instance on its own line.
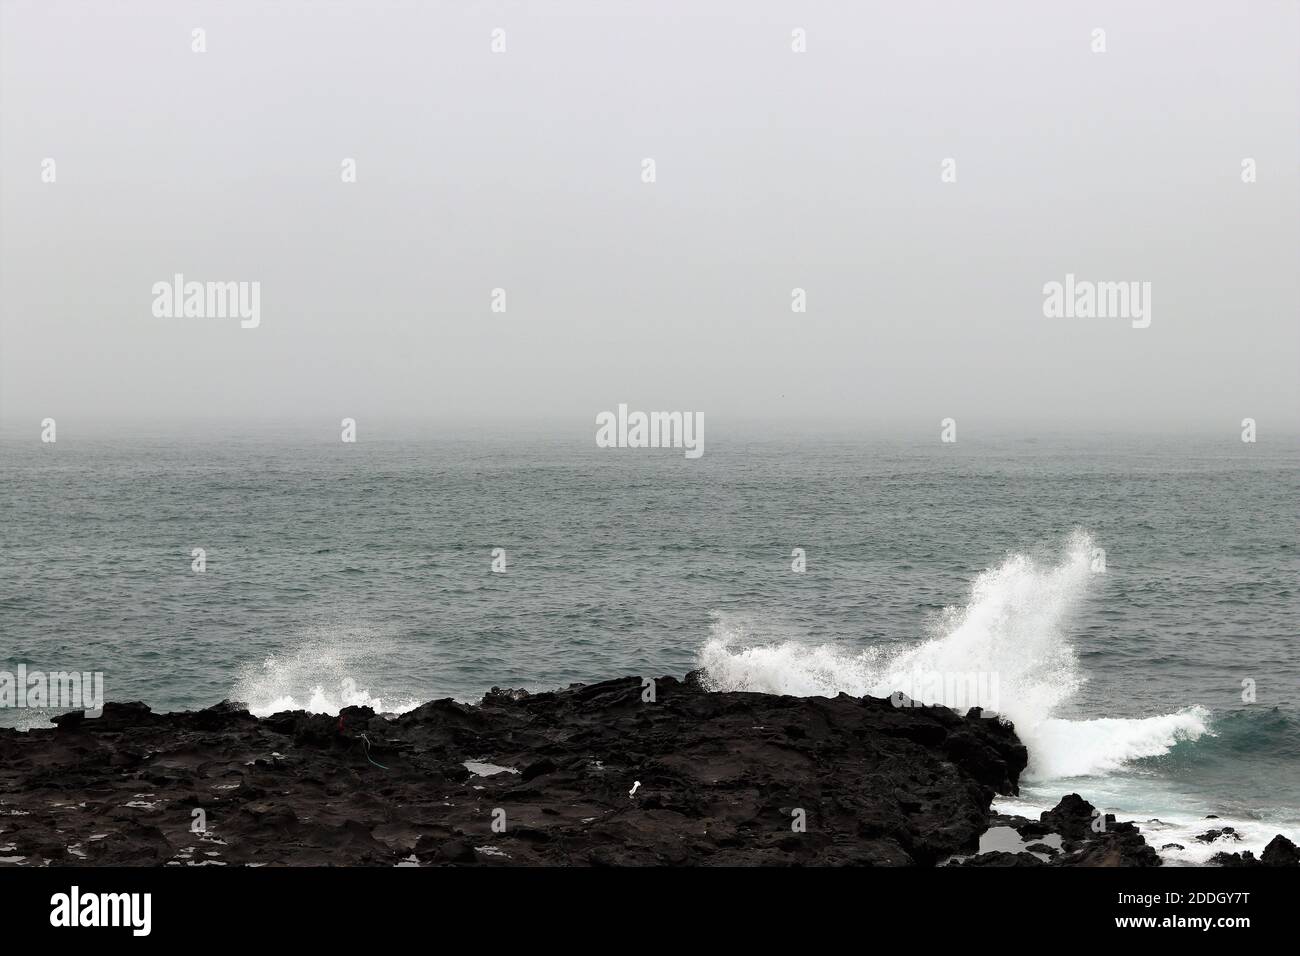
[810, 424]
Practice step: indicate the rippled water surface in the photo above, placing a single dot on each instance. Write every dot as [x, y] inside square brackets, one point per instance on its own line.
[362, 573]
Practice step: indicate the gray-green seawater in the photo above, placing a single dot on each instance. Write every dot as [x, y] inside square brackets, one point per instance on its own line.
[362, 573]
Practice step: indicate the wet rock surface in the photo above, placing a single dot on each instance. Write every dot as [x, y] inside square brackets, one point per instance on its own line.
[592, 774]
[1226, 834]
[1080, 837]
[1279, 852]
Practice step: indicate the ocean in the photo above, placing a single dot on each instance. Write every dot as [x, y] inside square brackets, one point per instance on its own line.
[1131, 601]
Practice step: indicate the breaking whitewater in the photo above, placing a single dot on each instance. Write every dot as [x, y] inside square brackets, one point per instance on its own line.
[1008, 651]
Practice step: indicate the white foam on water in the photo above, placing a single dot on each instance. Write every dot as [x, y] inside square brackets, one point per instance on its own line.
[322, 674]
[1077, 748]
[1177, 821]
[1013, 630]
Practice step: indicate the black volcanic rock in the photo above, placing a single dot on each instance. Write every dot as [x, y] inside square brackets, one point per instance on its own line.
[1090, 840]
[1073, 817]
[587, 775]
[1245, 858]
[1001, 858]
[1279, 852]
[1087, 839]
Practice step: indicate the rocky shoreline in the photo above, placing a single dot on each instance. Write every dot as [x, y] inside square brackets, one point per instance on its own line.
[623, 772]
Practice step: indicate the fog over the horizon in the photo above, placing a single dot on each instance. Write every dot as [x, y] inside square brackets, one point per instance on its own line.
[775, 170]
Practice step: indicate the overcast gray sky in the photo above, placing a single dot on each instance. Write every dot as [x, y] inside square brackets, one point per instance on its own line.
[775, 170]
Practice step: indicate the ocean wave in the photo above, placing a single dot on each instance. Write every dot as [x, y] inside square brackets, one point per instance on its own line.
[1006, 650]
[1083, 748]
[1266, 731]
[322, 673]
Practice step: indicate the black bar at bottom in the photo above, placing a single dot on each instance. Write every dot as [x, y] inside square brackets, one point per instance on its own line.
[512, 904]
